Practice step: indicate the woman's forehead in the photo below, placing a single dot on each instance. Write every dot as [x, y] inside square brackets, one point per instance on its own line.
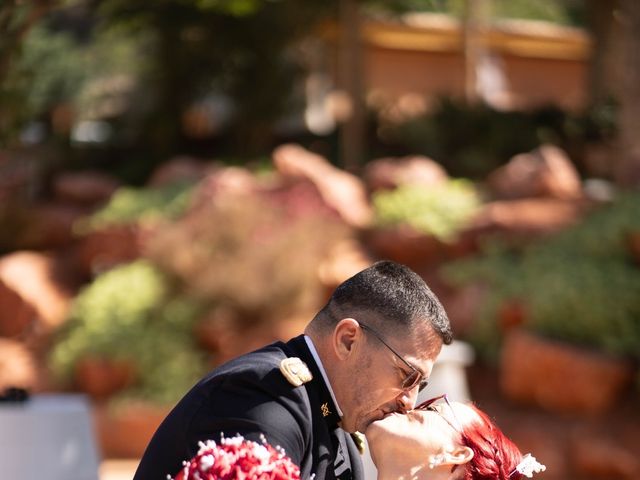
[459, 412]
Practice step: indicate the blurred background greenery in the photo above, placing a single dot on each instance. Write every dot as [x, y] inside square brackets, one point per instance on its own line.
[106, 82]
[152, 224]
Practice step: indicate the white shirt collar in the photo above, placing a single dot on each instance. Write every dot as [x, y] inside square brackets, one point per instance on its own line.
[315, 356]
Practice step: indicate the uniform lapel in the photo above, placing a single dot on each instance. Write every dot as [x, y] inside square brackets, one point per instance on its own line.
[344, 449]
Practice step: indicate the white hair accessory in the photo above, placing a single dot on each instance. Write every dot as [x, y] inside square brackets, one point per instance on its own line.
[528, 466]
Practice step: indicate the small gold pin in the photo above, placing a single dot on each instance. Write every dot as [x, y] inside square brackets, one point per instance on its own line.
[295, 371]
[358, 439]
[325, 409]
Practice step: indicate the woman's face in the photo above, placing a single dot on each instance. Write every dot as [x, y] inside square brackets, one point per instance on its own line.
[404, 441]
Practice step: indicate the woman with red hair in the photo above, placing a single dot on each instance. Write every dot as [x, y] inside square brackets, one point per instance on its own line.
[447, 440]
[434, 441]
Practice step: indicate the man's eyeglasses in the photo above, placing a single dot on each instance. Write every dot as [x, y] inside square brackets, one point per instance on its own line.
[415, 377]
[429, 405]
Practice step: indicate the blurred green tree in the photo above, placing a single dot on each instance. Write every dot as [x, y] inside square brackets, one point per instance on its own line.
[16, 19]
[243, 50]
[628, 165]
[159, 59]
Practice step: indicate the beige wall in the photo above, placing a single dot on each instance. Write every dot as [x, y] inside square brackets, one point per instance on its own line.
[399, 72]
[542, 64]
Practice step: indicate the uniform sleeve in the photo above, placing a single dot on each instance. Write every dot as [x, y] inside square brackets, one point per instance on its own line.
[254, 405]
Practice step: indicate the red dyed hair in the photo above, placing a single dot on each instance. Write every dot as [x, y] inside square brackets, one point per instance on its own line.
[494, 456]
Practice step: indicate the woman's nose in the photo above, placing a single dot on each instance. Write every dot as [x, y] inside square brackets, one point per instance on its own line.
[407, 400]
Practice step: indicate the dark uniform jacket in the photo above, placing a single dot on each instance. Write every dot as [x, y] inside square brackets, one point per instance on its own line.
[250, 396]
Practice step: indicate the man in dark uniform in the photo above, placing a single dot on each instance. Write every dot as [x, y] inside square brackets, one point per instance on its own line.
[365, 355]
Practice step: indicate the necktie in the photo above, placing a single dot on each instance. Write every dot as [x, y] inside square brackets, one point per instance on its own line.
[341, 464]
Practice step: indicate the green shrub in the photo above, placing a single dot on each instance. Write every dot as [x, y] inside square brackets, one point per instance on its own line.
[128, 313]
[581, 286]
[131, 205]
[440, 211]
[471, 140]
[603, 233]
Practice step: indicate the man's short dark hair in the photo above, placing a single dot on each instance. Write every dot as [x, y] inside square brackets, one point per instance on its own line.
[389, 295]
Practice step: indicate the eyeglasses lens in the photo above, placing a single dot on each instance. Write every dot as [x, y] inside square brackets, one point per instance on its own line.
[414, 379]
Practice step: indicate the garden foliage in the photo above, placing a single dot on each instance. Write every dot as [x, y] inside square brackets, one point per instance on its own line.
[581, 286]
[130, 205]
[253, 253]
[441, 210]
[129, 313]
[472, 140]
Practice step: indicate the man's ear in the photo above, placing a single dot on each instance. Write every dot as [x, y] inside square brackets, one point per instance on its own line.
[345, 334]
[458, 456]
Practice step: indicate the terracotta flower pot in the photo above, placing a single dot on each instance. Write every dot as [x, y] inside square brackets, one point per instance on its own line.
[465, 243]
[405, 245]
[100, 377]
[511, 314]
[125, 431]
[632, 239]
[106, 248]
[560, 377]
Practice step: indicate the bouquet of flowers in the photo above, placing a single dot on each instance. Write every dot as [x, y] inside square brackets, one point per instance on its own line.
[238, 459]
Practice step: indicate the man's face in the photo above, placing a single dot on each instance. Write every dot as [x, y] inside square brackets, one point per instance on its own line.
[372, 379]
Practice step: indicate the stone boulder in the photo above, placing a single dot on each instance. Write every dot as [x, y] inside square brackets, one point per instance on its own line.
[84, 188]
[390, 173]
[17, 366]
[181, 168]
[527, 218]
[224, 184]
[31, 288]
[544, 172]
[341, 190]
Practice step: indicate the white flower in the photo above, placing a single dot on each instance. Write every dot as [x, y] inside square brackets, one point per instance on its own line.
[529, 465]
[206, 462]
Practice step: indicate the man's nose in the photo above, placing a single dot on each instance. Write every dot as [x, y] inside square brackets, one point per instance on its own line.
[407, 399]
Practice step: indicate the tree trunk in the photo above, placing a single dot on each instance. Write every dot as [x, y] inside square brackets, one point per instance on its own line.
[475, 20]
[628, 167]
[605, 62]
[353, 130]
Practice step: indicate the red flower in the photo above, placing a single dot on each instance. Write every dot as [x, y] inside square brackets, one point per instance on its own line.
[239, 459]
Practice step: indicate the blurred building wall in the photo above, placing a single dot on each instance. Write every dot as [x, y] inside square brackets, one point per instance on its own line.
[529, 63]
